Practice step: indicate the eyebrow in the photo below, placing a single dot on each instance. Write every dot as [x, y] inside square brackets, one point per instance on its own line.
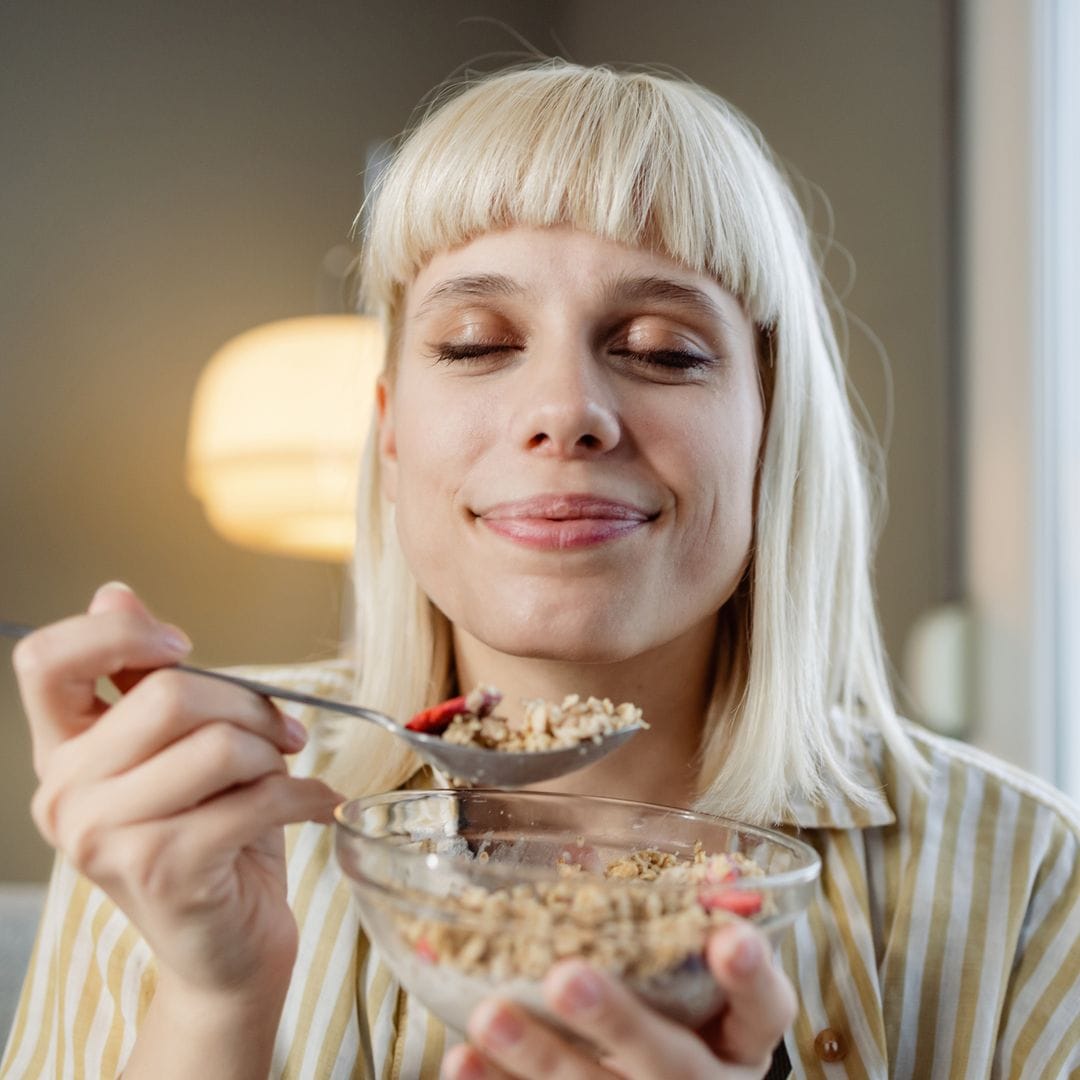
[470, 287]
[626, 288]
[621, 288]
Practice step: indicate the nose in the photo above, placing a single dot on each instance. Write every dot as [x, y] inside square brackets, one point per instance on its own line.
[567, 409]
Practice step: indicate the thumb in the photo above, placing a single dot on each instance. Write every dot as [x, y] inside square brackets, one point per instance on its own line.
[116, 596]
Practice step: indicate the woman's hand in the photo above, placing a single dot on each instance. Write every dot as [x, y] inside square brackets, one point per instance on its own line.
[172, 799]
[637, 1043]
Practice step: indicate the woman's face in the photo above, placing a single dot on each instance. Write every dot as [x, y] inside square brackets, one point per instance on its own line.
[571, 440]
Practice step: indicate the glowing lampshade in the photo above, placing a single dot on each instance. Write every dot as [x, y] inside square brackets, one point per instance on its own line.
[278, 422]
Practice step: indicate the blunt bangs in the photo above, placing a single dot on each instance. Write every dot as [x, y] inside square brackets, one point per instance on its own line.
[640, 159]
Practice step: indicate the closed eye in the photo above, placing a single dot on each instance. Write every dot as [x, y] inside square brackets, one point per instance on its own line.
[447, 353]
[674, 359]
[670, 367]
[670, 362]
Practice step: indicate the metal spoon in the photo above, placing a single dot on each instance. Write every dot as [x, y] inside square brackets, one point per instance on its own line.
[489, 768]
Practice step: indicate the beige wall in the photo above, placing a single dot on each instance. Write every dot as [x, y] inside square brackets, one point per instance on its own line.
[173, 174]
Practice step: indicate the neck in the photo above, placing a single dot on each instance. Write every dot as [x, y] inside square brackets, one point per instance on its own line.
[671, 684]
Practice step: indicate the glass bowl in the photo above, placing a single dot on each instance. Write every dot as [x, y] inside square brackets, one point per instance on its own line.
[463, 894]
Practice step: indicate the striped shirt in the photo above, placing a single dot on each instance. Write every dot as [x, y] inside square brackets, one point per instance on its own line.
[944, 942]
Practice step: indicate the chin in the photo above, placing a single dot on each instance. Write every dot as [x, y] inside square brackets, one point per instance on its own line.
[579, 641]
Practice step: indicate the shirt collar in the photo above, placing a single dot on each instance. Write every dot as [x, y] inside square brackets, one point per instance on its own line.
[838, 810]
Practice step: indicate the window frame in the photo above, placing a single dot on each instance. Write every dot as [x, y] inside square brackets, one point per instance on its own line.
[1021, 109]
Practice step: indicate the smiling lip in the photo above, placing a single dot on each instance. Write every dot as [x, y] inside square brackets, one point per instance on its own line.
[564, 522]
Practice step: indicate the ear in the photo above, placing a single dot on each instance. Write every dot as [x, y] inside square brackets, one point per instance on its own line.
[387, 441]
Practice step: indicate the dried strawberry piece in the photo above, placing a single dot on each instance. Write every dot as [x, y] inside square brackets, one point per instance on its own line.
[583, 855]
[733, 873]
[437, 718]
[424, 950]
[737, 901]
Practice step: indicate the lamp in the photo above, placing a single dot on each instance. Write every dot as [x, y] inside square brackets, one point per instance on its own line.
[278, 421]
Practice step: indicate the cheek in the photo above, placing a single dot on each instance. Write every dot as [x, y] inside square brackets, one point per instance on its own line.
[711, 467]
[708, 455]
[438, 440]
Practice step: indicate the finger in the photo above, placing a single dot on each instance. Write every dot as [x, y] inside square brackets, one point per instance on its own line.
[517, 1042]
[761, 1002]
[639, 1041]
[465, 1062]
[116, 596]
[58, 666]
[167, 706]
[209, 761]
[240, 817]
[167, 859]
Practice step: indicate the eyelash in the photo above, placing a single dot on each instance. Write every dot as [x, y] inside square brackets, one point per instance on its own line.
[672, 359]
[668, 359]
[449, 353]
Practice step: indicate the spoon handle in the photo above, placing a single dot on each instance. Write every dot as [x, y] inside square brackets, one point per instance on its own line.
[283, 694]
[20, 630]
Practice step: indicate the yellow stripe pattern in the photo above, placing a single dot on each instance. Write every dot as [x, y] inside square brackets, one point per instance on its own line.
[944, 942]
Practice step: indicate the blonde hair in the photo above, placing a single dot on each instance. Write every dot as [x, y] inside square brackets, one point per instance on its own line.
[654, 161]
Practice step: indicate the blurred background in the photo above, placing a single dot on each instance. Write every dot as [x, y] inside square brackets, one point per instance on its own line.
[176, 174]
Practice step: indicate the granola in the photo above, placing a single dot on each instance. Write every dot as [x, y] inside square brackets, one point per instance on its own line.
[544, 724]
[646, 915]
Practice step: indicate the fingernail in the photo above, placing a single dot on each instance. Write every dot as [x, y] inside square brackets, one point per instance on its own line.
[745, 957]
[582, 991]
[296, 732]
[175, 640]
[115, 585]
[501, 1028]
[466, 1068]
[328, 815]
[99, 594]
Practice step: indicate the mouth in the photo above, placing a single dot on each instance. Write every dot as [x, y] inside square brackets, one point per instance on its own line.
[562, 522]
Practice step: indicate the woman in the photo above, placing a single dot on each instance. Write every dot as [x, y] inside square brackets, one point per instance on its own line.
[613, 456]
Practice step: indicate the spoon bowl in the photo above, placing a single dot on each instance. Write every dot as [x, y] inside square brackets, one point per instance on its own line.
[508, 768]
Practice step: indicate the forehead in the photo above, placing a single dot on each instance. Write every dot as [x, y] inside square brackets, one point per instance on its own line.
[530, 264]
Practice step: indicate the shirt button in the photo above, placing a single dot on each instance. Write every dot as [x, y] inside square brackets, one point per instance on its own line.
[830, 1045]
